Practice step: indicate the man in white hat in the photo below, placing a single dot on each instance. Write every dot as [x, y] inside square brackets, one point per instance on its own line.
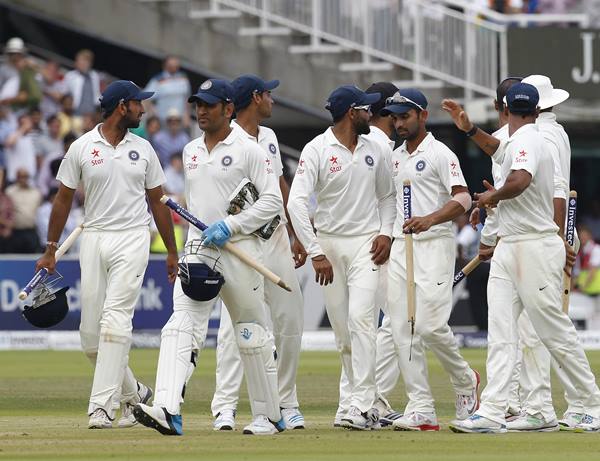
[15, 51]
[534, 379]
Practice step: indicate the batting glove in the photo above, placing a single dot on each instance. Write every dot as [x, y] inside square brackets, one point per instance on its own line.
[217, 233]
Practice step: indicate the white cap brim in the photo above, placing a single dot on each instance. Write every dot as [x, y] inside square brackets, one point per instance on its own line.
[555, 99]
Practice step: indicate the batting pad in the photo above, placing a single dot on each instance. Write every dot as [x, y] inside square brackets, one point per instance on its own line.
[175, 365]
[256, 352]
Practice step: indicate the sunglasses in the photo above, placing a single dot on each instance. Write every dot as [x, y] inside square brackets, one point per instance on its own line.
[399, 99]
[366, 108]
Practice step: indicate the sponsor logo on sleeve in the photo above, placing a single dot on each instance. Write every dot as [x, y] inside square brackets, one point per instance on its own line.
[521, 156]
[453, 171]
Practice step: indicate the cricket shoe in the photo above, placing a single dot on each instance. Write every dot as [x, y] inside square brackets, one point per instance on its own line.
[588, 424]
[99, 420]
[158, 418]
[387, 414]
[512, 414]
[339, 414]
[292, 418]
[144, 394]
[468, 404]
[531, 423]
[356, 419]
[570, 421]
[225, 420]
[416, 422]
[264, 426]
[478, 425]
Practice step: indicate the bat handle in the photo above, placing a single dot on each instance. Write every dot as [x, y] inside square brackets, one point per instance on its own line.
[43, 272]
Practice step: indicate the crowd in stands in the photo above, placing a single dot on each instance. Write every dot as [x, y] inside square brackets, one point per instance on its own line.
[44, 107]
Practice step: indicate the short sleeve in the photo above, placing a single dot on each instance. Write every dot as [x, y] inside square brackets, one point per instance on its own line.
[523, 158]
[69, 172]
[154, 173]
[449, 171]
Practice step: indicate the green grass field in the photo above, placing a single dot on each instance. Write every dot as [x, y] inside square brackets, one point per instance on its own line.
[43, 400]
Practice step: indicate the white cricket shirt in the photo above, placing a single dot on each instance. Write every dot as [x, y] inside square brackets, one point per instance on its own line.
[210, 178]
[267, 139]
[531, 212]
[559, 146]
[377, 134]
[114, 179]
[433, 170]
[355, 194]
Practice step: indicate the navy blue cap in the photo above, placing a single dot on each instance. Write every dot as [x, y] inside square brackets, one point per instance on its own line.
[403, 101]
[212, 91]
[347, 96]
[246, 85]
[522, 98]
[122, 90]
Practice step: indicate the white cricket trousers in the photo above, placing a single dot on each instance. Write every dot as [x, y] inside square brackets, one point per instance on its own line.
[433, 273]
[531, 266]
[242, 293]
[350, 304]
[113, 264]
[286, 312]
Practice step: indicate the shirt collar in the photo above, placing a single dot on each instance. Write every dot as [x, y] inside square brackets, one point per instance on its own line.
[235, 132]
[529, 127]
[235, 124]
[422, 147]
[380, 134]
[545, 117]
[331, 140]
[97, 137]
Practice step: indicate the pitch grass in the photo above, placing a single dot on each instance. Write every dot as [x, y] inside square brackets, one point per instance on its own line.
[43, 400]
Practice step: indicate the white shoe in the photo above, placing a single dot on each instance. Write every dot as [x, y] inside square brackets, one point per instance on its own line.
[225, 421]
[264, 426]
[99, 420]
[158, 418]
[416, 422]
[468, 404]
[570, 421]
[356, 419]
[530, 423]
[143, 395]
[588, 424]
[387, 414]
[339, 414]
[512, 414]
[292, 418]
[477, 424]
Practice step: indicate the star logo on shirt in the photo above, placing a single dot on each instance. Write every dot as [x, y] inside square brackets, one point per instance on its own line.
[396, 163]
[301, 162]
[453, 165]
[194, 158]
[522, 153]
[268, 161]
[95, 153]
[333, 160]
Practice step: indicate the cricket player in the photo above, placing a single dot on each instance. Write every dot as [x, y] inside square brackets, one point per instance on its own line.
[440, 194]
[214, 166]
[118, 171]
[528, 260]
[353, 220]
[253, 103]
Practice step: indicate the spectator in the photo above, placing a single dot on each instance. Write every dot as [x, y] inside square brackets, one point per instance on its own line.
[69, 121]
[7, 219]
[587, 278]
[172, 89]
[43, 218]
[26, 201]
[152, 128]
[49, 169]
[53, 88]
[592, 221]
[174, 173]
[171, 140]
[8, 125]
[50, 142]
[28, 93]
[9, 71]
[19, 150]
[37, 131]
[84, 84]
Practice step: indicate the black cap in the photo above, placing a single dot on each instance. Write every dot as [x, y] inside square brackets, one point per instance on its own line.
[386, 90]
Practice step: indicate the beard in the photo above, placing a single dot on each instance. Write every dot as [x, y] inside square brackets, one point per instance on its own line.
[362, 127]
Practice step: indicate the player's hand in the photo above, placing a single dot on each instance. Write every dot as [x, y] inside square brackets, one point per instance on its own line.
[323, 270]
[417, 224]
[217, 233]
[172, 268]
[486, 199]
[47, 260]
[571, 258]
[299, 253]
[475, 218]
[485, 252]
[458, 114]
[380, 249]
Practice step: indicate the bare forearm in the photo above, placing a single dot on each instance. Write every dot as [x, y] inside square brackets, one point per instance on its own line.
[58, 217]
[486, 142]
[560, 214]
[285, 193]
[448, 212]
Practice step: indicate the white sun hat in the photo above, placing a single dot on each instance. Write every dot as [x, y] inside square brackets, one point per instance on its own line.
[549, 96]
[15, 45]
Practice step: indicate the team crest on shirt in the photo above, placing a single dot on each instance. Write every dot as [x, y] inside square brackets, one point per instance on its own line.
[226, 161]
[133, 156]
[369, 161]
[272, 148]
[334, 166]
[420, 166]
